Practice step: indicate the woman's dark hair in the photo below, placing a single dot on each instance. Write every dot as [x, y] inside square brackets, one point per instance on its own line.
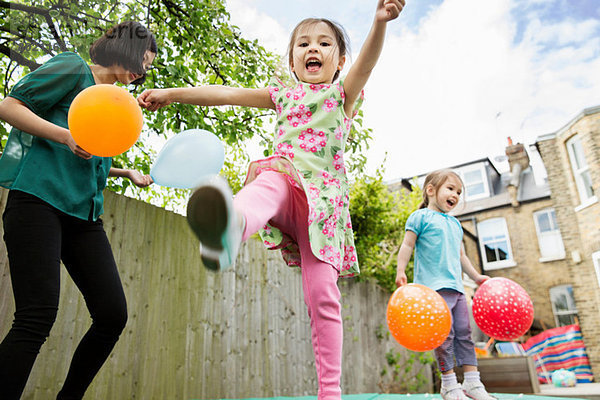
[124, 44]
[341, 38]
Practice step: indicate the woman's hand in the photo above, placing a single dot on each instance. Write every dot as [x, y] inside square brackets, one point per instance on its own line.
[153, 99]
[388, 10]
[139, 179]
[78, 151]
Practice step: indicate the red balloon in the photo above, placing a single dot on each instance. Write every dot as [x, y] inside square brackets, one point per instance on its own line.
[418, 317]
[502, 309]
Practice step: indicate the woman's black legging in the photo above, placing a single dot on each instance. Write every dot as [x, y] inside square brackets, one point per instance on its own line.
[38, 237]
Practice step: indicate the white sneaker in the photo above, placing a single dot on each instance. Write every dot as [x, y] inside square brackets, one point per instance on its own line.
[453, 392]
[211, 216]
[475, 390]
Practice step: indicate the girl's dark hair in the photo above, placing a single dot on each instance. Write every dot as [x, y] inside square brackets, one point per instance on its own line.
[436, 179]
[124, 44]
[341, 38]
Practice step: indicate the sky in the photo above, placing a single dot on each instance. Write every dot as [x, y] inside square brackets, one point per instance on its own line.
[456, 77]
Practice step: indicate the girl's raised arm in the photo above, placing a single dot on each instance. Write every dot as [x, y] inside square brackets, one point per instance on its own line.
[210, 95]
[360, 71]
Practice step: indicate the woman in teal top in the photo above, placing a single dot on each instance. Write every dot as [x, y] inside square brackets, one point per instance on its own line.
[54, 204]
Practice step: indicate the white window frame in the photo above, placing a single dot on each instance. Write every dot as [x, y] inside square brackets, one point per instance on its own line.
[559, 252]
[570, 300]
[484, 180]
[596, 261]
[509, 262]
[579, 171]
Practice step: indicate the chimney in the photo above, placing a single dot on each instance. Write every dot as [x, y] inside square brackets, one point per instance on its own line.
[518, 161]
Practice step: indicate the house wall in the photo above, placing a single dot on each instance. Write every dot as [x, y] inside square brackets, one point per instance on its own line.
[580, 228]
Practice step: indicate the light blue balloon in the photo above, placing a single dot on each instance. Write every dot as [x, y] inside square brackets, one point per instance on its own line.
[188, 158]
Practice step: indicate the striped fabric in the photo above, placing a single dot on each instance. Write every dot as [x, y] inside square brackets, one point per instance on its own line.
[558, 348]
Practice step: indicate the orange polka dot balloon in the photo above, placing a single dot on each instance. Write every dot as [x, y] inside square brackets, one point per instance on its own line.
[105, 120]
[502, 309]
[418, 317]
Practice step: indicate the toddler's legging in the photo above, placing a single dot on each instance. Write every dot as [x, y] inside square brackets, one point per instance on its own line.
[37, 237]
[270, 197]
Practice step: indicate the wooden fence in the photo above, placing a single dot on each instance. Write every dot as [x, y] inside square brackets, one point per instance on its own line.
[194, 334]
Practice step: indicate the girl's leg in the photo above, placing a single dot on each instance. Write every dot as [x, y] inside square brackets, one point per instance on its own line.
[464, 348]
[32, 234]
[322, 298]
[270, 197]
[446, 352]
[88, 257]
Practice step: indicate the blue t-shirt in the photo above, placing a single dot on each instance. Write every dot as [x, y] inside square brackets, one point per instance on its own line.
[437, 249]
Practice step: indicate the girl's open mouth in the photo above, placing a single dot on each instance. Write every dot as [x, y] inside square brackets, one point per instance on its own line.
[313, 65]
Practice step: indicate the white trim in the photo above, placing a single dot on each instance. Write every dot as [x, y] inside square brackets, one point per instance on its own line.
[591, 201]
[484, 180]
[596, 261]
[557, 252]
[509, 261]
[549, 259]
[570, 302]
[500, 265]
[579, 168]
[569, 125]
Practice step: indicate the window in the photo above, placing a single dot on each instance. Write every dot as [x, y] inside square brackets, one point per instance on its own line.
[475, 180]
[581, 171]
[596, 260]
[549, 238]
[563, 305]
[495, 244]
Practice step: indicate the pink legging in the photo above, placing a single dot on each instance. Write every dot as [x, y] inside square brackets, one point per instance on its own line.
[271, 198]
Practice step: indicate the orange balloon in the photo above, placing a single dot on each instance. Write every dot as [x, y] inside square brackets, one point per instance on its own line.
[105, 120]
[418, 317]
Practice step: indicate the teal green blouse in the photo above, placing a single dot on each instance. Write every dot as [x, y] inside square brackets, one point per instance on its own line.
[47, 169]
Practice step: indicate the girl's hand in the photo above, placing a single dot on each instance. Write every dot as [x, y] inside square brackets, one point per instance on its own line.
[481, 278]
[401, 279]
[153, 99]
[388, 10]
[78, 151]
[139, 179]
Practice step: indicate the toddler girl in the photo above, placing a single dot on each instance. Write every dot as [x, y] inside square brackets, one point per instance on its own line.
[297, 198]
[439, 257]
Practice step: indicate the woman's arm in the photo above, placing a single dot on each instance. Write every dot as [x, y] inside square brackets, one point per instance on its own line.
[360, 71]
[17, 114]
[404, 254]
[210, 95]
[136, 177]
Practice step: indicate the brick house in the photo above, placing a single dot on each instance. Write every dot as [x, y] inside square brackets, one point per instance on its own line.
[517, 228]
[571, 156]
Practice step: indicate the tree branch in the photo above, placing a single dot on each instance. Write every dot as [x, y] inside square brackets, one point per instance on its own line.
[54, 31]
[26, 38]
[18, 57]
[23, 7]
[40, 11]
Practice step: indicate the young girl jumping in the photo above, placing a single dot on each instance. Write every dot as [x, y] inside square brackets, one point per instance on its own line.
[298, 198]
[439, 257]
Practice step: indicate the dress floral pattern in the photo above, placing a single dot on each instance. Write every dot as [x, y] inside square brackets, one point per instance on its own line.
[310, 136]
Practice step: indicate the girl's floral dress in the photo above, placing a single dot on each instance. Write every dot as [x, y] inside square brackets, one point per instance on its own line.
[310, 134]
